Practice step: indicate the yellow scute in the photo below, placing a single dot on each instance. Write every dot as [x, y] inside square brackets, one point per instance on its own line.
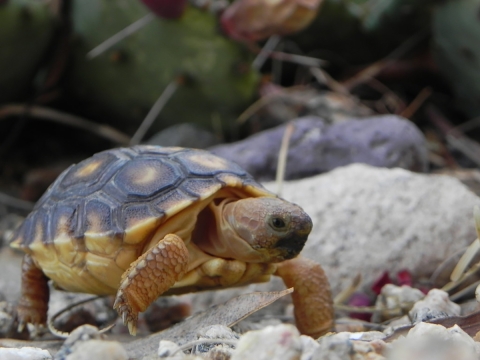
[88, 169]
[105, 270]
[65, 250]
[102, 243]
[136, 233]
[211, 162]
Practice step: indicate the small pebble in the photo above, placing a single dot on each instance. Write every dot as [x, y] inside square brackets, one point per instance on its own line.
[349, 346]
[76, 339]
[396, 297]
[169, 350]
[99, 349]
[436, 304]
[280, 342]
[220, 349]
[25, 353]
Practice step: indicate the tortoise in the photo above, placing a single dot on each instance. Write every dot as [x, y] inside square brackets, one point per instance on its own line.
[146, 221]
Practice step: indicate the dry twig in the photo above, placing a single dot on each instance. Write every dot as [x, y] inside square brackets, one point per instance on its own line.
[40, 112]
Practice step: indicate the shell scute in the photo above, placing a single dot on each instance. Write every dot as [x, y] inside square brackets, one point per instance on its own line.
[136, 213]
[203, 163]
[201, 188]
[147, 177]
[63, 220]
[173, 202]
[89, 175]
[98, 217]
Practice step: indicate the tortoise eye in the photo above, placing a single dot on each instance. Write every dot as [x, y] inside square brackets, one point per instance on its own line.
[278, 223]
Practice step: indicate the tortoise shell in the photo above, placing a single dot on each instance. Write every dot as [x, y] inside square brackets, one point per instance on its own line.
[101, 211]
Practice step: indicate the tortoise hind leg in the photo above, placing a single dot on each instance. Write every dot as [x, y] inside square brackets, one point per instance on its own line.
[33, 304]
[149, 276]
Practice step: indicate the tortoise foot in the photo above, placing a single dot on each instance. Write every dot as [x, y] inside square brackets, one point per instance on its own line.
[33, 305]
[312, 297]
[150, 276]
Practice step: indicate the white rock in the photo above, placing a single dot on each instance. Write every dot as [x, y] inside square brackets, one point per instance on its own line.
[435, 304]
[393, 297]
[368, 220]
[347, 345]
[280, 342]
[99, 349]
[76, 339]
[25, 353]
[309, 347]
[434, 342]
[169, 350]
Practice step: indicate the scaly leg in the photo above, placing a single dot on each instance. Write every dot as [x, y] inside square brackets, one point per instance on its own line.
[149, 276]
[312, 297]
[33, 304]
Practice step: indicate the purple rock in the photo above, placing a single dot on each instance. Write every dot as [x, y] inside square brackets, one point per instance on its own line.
[315, 147]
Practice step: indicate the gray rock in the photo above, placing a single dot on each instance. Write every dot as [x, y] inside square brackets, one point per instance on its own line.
[184, 135]
[383, 141]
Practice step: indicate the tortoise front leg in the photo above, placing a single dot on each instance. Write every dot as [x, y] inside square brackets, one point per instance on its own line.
[148, 277]
[312, 297]
[33, 304]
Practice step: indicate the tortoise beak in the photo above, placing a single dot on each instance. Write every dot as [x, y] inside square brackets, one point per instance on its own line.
[292, 243]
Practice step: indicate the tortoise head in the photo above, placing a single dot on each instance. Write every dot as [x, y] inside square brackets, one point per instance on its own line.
[265, 229]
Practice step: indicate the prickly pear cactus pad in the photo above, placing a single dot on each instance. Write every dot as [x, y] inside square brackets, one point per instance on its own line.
[26, 27]
[456, 31]
[127, 79]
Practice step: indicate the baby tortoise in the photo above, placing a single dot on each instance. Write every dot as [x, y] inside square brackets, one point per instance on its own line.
[147, 221]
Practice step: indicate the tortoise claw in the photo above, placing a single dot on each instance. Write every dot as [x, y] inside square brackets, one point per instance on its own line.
[127, 313]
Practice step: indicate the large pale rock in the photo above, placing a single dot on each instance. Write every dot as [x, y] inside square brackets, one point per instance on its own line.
[369, 220]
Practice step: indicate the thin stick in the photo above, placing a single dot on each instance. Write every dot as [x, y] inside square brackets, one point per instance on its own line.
[297, 59]
[413, 107]
[262, 56]
[15, 203]
[154, 111]
[44, 113]
[464, 291]
[454, 136]
[325, 79]
[282, 157]
[346, 293]
[63, 334]
[119, 36]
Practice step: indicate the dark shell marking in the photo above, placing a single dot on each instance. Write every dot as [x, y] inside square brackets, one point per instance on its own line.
[116, 189]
